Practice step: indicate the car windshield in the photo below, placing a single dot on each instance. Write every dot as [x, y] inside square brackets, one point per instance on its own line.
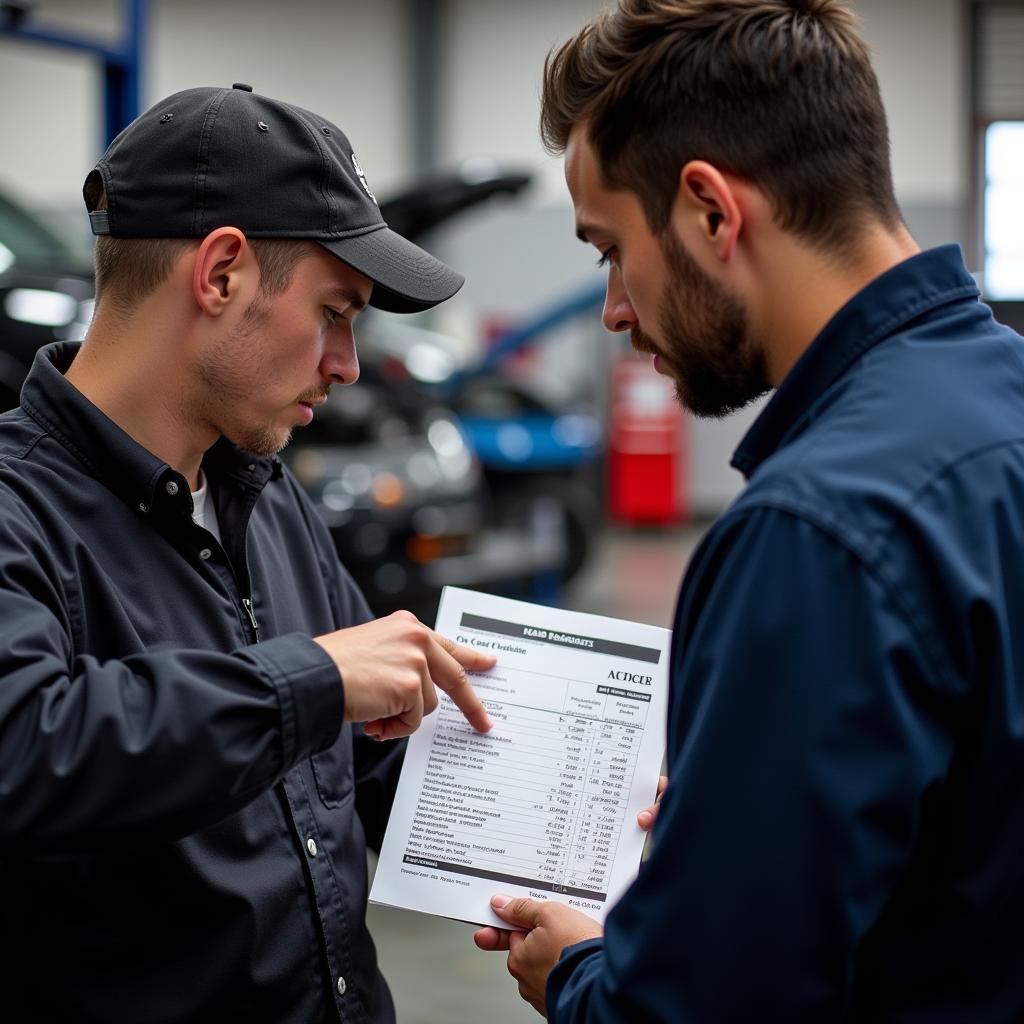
[23, 239]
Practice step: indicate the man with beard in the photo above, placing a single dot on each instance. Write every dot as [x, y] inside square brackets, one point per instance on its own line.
[184, 799]
[842, 832]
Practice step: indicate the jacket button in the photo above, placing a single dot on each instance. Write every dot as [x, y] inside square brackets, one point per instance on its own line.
[205, 554]
[171, 488]
[143, 507]
[311, 846]
[341, 986]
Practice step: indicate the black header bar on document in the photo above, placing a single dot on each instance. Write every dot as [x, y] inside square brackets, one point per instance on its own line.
[547, 636]
[500, 876]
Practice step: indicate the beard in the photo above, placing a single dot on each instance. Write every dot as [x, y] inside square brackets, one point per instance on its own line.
[707, 346]
[231, 374]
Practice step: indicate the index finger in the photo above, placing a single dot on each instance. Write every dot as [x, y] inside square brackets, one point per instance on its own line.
[448, 670]
[468, 657]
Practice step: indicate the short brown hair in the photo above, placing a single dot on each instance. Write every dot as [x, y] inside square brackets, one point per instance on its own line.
[129, 269]
[779, 92]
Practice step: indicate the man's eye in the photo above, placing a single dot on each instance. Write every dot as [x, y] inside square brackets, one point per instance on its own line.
[606, 257]
[332, 316]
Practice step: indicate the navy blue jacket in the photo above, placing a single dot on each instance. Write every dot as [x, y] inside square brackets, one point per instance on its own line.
[842, 838]
[181, 809]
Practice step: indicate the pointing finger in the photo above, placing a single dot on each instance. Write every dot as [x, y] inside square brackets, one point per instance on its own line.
[469, 657]
[447, 662]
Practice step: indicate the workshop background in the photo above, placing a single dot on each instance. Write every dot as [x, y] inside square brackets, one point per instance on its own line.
[505, 441]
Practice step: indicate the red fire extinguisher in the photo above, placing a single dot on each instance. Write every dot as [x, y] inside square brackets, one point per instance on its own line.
[646, 458]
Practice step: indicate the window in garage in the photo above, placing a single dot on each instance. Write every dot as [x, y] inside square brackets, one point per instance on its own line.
[997, 35]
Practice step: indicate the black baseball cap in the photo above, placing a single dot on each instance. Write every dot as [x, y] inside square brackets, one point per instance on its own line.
[208, 158]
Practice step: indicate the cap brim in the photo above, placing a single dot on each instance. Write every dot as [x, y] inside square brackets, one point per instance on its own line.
[406, 278]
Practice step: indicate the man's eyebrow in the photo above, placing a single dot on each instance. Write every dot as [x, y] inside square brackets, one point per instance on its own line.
[351, 296]
[584, 230]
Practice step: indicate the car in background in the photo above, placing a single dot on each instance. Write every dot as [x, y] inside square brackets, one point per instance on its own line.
[46, 294]
[542, 458]
[393, 476]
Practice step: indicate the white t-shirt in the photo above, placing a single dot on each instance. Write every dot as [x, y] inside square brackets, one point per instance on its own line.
[204, 513]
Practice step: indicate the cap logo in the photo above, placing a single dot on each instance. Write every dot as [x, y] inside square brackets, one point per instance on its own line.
[362, 178]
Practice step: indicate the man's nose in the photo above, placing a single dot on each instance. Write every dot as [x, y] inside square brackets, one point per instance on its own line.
[340, 363]
[618, 314]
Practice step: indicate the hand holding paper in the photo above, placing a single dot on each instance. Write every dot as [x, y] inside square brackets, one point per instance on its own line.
[647, 817]
[549, 928]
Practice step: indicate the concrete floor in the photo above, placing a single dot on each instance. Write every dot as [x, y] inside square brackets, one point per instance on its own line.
[437, 975]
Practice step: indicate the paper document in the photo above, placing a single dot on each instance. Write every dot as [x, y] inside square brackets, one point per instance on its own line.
[545, 804]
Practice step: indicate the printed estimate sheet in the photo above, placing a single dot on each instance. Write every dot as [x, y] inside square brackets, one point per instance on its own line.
[545, 804]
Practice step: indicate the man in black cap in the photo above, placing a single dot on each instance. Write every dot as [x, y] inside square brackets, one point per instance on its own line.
[186, 790]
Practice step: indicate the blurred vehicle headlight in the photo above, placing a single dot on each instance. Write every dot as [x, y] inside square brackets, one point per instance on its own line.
[453, 454]
[445, 438]
[41, 307]
[336, 497]
[457, 465]
[388, 490]
[357, 478]
[423, 469]
[429, 364]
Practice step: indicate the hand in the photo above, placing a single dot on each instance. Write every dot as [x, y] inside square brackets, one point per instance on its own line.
[550, 927]
[645, 819]
[389, 668]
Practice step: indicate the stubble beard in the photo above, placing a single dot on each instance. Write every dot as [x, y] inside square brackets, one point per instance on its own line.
[707, 346]
[227, 392]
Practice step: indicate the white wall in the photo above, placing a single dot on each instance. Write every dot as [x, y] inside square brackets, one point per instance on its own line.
[344, 59]
[920, 54]
[493, 57]
[50, 113]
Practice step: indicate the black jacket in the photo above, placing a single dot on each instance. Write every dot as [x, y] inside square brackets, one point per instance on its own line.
[182, 811]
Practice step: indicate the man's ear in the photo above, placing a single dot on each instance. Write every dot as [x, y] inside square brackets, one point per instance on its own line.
[708, 209]
[223, 264]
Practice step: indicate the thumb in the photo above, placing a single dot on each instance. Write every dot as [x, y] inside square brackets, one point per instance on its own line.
[520, 913]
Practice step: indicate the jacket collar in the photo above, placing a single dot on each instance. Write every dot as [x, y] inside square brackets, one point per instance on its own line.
[908, 291]
[116, 459]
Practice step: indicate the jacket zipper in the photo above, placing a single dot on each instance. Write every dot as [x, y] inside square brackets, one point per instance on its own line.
[247, 605]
